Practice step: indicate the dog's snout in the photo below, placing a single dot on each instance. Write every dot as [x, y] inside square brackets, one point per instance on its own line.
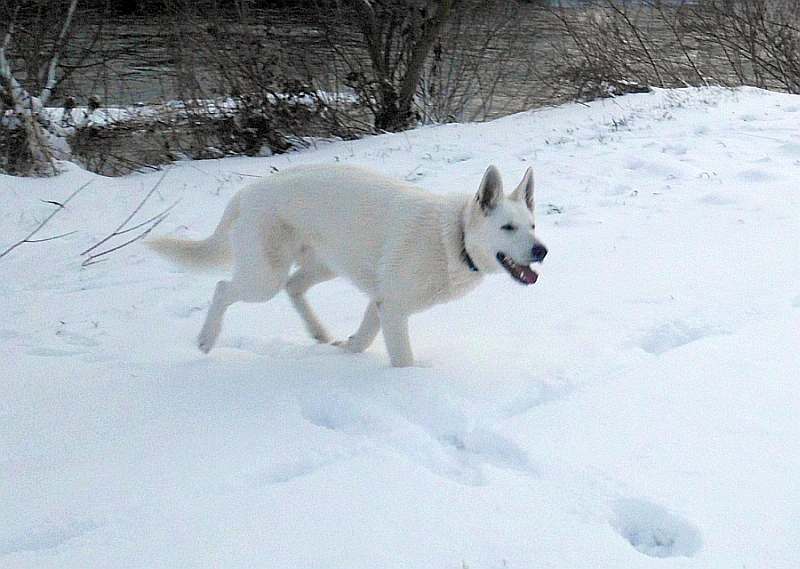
[539, 252]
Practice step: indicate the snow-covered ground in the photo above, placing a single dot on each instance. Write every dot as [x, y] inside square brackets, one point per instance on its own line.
[638, 407]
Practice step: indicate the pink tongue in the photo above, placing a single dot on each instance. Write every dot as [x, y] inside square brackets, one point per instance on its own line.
[529, 275]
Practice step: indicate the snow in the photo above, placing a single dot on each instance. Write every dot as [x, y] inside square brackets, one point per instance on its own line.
[635, 408]
[141, 111]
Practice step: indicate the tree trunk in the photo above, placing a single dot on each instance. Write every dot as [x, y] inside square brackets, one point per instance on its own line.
[37, 139]
[398, 75]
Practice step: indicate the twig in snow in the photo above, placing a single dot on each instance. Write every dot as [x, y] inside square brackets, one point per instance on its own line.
[53, 238]
[243, 175]
[148, 225]
[119, 229]
[28, 238]
[156, 220]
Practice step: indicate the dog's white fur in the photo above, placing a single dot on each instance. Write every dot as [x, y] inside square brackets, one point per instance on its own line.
[402, 246]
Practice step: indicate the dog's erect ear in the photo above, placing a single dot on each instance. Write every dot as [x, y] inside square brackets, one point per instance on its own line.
[490, 190]
[525, 189]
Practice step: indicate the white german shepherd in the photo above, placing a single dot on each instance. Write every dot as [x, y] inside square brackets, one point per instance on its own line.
[407, 249]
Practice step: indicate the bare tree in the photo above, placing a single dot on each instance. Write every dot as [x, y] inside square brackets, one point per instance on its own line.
[757, 41]
[478, 64]
[614, 46]
[23, 100]
[398, 36]
[243, 89]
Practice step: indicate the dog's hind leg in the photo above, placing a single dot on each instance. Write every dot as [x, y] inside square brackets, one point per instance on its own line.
[213, 324]
[311, 272]
[262, 259]
[366, 333]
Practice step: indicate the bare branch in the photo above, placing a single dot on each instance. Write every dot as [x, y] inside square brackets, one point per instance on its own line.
[28, 238]
[53, 238]
[370, 29]
[149, 220]
[93, 259]
[44, 96]
[6, 76]
[149, 224]
[119, 230]
[10, 30]
[430, 31]
[623, 13]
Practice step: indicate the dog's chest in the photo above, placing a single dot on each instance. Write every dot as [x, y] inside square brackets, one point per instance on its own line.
[443, 286]
[460, 284]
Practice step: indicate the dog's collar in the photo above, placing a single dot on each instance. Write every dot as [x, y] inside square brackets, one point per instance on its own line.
[464, 255]
[467, 259]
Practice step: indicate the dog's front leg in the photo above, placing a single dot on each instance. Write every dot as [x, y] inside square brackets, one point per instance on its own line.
[365, 335]
[394, 322]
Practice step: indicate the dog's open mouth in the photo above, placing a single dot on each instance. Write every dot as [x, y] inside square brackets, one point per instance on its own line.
[521, 273]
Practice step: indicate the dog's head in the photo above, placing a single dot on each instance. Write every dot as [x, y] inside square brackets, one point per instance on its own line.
[499, 230]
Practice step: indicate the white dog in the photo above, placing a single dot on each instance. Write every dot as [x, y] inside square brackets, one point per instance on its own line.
[405, 248]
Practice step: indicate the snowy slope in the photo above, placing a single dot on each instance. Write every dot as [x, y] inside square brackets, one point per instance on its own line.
[638, 407]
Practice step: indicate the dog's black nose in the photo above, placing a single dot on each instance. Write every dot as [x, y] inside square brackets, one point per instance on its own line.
[539, 252]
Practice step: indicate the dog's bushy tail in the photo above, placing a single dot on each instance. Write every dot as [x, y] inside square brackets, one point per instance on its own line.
[214, 251]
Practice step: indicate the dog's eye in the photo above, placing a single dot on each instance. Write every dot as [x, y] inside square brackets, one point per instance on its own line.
[509, 227]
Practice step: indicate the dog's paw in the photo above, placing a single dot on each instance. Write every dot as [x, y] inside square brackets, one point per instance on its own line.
[343, 344]
[350, 345]
[322, 338]
[205, 342]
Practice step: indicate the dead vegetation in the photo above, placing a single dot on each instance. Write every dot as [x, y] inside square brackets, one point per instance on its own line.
[235, 79]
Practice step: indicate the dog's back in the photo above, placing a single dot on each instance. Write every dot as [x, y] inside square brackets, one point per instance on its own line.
[351, 217]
